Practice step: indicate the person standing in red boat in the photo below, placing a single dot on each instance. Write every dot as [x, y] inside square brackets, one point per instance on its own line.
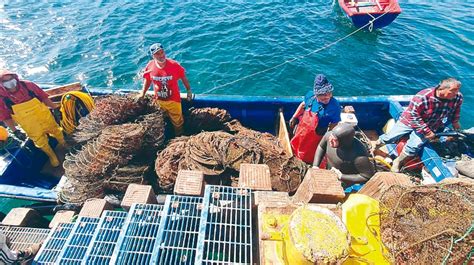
[164, 73]
[318, 113]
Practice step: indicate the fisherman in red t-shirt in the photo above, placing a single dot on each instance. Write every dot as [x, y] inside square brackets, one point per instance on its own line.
[164, 73]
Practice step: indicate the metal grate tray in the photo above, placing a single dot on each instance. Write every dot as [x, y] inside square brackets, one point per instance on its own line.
[105, 238]
[179, 231]
[137, 239]
[225, 235]
[53, 244]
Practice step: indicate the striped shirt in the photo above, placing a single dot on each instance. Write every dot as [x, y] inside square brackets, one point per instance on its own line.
[6, 255]
[427, 113]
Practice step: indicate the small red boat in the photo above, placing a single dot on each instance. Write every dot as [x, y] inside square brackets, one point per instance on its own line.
[372, 14]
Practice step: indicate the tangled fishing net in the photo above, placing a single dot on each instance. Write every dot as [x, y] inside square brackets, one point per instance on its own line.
[167, 162]
[429, 224]
[219, 156]
[205, 119]
[109, 110]
[97, 160]
[113, 156]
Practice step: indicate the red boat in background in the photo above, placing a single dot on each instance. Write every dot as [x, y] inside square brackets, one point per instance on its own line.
[373, 14]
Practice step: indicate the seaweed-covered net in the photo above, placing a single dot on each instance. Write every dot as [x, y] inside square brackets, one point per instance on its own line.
[109, 110]
[219, 155]
[205, 119]
[428, 224]
[113, 153]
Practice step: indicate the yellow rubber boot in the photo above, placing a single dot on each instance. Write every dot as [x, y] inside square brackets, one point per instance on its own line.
[53, 159]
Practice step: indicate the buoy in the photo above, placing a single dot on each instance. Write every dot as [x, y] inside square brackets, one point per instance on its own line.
[315, 235]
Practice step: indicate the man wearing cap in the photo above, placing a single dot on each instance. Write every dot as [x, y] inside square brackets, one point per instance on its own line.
[24, 103]
[318, 113]
[164, 73]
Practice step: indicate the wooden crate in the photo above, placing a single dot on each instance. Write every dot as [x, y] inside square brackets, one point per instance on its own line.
[255, 177]
[24, 217]
[382, 181]
[137, 193]
[61, 217]
[319, 186]
[189, 182]
[271, 197]
[94, 208]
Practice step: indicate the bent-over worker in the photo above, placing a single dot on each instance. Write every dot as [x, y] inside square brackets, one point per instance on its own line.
[428, 113]
[24, 103]
[348, 155]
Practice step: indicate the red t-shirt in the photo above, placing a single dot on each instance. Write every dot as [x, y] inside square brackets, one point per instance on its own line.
[165, 80]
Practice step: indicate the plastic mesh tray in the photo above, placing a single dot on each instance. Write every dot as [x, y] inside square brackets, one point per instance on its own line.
[225, 235]
[23, 237]
[179, 231]
[139, 234]
[75, 248]
[53, 244]
[105, 238]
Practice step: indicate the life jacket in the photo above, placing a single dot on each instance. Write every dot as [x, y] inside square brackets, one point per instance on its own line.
[306, 140]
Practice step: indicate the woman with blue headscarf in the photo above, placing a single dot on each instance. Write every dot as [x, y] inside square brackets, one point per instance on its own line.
[318, 113]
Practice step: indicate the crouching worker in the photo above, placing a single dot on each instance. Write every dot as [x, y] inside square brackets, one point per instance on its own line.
[346, 154]
[317, 114]
[24, 103]
[428, 113]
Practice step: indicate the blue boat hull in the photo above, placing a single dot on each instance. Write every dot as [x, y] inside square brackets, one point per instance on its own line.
[258, 113]
[362, 20]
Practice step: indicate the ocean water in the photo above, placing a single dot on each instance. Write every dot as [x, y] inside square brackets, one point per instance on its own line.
[240, 47]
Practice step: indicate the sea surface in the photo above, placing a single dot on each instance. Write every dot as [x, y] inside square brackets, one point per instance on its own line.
[241, 47]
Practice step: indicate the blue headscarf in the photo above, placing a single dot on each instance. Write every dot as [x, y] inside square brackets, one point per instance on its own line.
[321, 85]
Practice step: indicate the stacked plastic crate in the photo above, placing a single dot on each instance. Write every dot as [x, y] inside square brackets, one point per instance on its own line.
[24, 237]
[53, 244]
[105, 238]
[76, 244]
[214, 229]
[139, 234]
[225, 235]
[179, 231]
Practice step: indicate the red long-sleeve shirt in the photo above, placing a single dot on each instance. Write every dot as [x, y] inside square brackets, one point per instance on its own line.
[427, 113]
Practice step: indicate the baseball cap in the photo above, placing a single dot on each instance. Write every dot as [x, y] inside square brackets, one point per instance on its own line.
[155, 47]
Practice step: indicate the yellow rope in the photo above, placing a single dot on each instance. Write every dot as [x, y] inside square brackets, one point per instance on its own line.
[69, 121]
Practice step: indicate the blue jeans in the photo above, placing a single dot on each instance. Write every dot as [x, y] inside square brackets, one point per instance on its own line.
[414, 143]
